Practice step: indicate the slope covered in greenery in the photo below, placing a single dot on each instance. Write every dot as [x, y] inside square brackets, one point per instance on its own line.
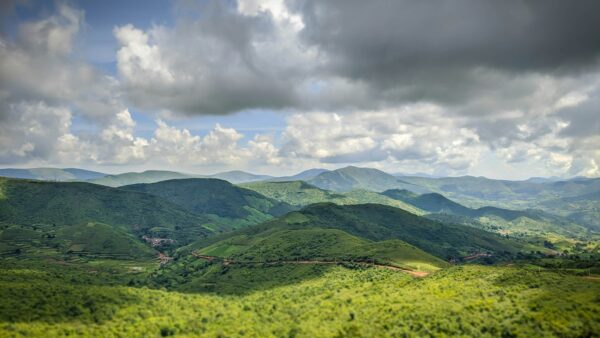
[350, 178]
[25, 202]
[460, 301]
[231, 204]
[300, 194]
[379, 223]
[524, 222]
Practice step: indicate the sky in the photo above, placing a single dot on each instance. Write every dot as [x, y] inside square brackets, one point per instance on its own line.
[503, 89]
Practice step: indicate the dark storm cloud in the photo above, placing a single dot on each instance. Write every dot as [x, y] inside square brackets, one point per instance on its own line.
[385, 40]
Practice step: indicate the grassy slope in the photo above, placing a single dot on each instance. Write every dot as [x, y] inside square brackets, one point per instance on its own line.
[300, 194]
[217, 198]
[51, 203]
[466, 301]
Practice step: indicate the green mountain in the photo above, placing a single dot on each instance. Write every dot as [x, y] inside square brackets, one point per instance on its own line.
[217, 199]
[301, 194]
[58, 204]
[583, 209]
[52, 174]
[149, 176]
[350, 178]
[526, 222]
[374, 222]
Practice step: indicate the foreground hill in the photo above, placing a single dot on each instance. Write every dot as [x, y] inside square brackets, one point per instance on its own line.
[468, 301]
[351, 178]
[56, 204]
[52, 174]
[217, 199]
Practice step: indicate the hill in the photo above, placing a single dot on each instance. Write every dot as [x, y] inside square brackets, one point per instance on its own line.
[300, 194]
[58, 204]
[218, 199]
[149, 176]
[378, 223]
[350, 178]
[52, 174]
[534, 223]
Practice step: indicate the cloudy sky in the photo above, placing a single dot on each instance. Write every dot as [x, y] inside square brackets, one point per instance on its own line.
[503, 89]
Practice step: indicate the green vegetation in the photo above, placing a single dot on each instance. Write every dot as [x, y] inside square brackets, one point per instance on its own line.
[378, 223]
[60, 204]
[218, 199]
[467, 301]
[301, 194]
[351, 178]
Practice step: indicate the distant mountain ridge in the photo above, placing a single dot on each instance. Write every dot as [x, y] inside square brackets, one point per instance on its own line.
[52, 174]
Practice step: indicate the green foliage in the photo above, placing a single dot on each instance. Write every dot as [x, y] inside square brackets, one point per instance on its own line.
[300, 194]
[460, 301]
[62, 204]
[149, 176]
[230, 204]
[351, 178]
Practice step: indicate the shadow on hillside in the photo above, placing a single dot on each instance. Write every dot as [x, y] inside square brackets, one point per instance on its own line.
[240, 279]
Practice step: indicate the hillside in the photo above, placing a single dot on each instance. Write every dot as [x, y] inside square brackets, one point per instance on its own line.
[377, 223]
[300, 194]
[350, 178]
[25, 202]
[231, 204]
[525, 222]
[52, 174]
[149, 176]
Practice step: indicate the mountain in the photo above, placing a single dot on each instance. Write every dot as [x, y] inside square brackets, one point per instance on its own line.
[532, 222]
[52, 174]
[350, 178]
[300, 194]
[217, 199]
[302, 176]
[374, 222]
[149, 176]
[61, 204]
[238, 176]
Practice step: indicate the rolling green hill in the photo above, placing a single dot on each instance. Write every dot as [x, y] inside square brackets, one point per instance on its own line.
[534, 223]
[300, 194]
[25, 202]
[218, 199]
[350, 178]
[378, 223]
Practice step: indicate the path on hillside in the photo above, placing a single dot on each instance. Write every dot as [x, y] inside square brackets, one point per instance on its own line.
[226, 261]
